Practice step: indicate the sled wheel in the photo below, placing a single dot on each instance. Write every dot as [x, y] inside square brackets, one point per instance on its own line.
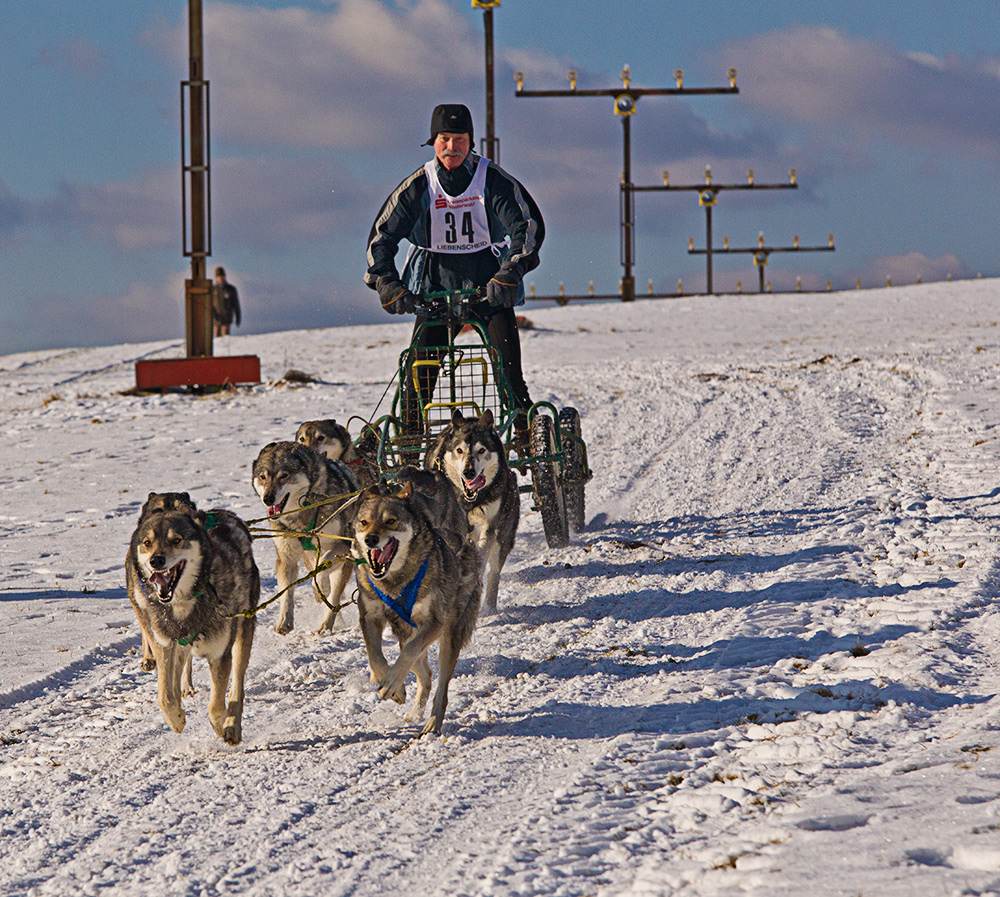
[574, 469]
[546, 482]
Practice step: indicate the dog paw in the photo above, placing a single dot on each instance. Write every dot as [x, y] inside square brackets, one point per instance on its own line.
[433, 727]
[188, 691]
[283, 627]
[398, 694]
[232, 731]
[325, 627]
[148, 664]
[416, 713]
[176, 719]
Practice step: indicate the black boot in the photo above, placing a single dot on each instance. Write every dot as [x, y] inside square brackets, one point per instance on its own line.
[522, 435]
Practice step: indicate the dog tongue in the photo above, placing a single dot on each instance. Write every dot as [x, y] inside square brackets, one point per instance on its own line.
[161, 582]
[477, 483]
[273, 511]
[383, 555]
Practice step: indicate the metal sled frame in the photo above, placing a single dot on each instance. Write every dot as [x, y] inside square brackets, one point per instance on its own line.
[468, 375]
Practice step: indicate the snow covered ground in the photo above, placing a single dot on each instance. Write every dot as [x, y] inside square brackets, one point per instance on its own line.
[769, 665]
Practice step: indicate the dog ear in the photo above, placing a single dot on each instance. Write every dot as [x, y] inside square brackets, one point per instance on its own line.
[486, 418]
[457, 418]
[407, 490]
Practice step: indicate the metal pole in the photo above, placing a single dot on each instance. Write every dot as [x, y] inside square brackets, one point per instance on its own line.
[708, 254]
[492, 147]
[628, 216]
[198, 290]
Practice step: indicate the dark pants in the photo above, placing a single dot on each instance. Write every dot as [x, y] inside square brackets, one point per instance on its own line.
[501, 327]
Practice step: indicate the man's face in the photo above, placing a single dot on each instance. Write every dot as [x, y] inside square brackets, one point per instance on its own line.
[451, 149]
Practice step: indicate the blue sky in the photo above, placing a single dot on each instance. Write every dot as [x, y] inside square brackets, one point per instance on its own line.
[888, 110]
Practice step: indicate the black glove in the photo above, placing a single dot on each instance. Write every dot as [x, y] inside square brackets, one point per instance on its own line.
[501, 291]
[396, 299]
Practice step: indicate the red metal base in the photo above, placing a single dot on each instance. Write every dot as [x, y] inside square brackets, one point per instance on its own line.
[162, 373]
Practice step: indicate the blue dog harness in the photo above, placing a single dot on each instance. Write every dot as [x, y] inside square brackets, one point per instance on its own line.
[404, 606]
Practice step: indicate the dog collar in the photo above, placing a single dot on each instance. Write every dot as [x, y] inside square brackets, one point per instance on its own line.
[307, 542]
[191, 639]
[407, 598]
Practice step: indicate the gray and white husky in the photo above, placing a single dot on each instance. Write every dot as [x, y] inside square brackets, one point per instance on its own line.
[332, 439]
[471, 454]
[191, 580]
[156, 503]
[309, 500]
[411, 580]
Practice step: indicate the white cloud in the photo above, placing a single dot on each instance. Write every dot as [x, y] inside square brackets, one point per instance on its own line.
[820, 76]
[352, 77]
[914, 266]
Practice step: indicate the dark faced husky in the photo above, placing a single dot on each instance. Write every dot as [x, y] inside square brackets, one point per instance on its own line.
[185, 576]
[472, 456]
[411, 580]
[308, 499]
[332, 439]
[157, 502]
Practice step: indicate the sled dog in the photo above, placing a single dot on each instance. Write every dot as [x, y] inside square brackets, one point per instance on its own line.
[411, 580]
[308, 498]
[158, 502]
[472, 456]
[332, 439]
[434, 497]
[186, 572]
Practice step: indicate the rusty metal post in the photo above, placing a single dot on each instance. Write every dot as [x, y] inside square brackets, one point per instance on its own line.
[490, 144]
[195, 178]
[199, 369]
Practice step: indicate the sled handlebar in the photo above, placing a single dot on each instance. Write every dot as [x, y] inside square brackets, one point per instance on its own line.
[450, 304]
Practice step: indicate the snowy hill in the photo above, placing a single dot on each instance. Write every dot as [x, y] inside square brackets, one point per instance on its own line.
[769, 665]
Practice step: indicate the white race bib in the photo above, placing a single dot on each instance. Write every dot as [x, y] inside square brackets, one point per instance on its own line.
[458, 223]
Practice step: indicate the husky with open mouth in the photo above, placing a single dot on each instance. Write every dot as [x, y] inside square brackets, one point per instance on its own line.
[411, 580]
[470, 452]
[192, 579]
[310, 503]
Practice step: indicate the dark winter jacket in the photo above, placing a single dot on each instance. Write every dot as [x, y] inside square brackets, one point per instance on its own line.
[225, 303]
[405, 216]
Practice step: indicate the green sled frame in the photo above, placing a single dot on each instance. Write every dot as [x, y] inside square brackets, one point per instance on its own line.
[466, 374]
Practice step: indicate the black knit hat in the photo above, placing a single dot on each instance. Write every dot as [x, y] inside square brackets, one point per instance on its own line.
[452, 118]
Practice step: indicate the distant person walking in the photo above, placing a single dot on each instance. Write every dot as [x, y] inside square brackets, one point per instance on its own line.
[225, 304]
